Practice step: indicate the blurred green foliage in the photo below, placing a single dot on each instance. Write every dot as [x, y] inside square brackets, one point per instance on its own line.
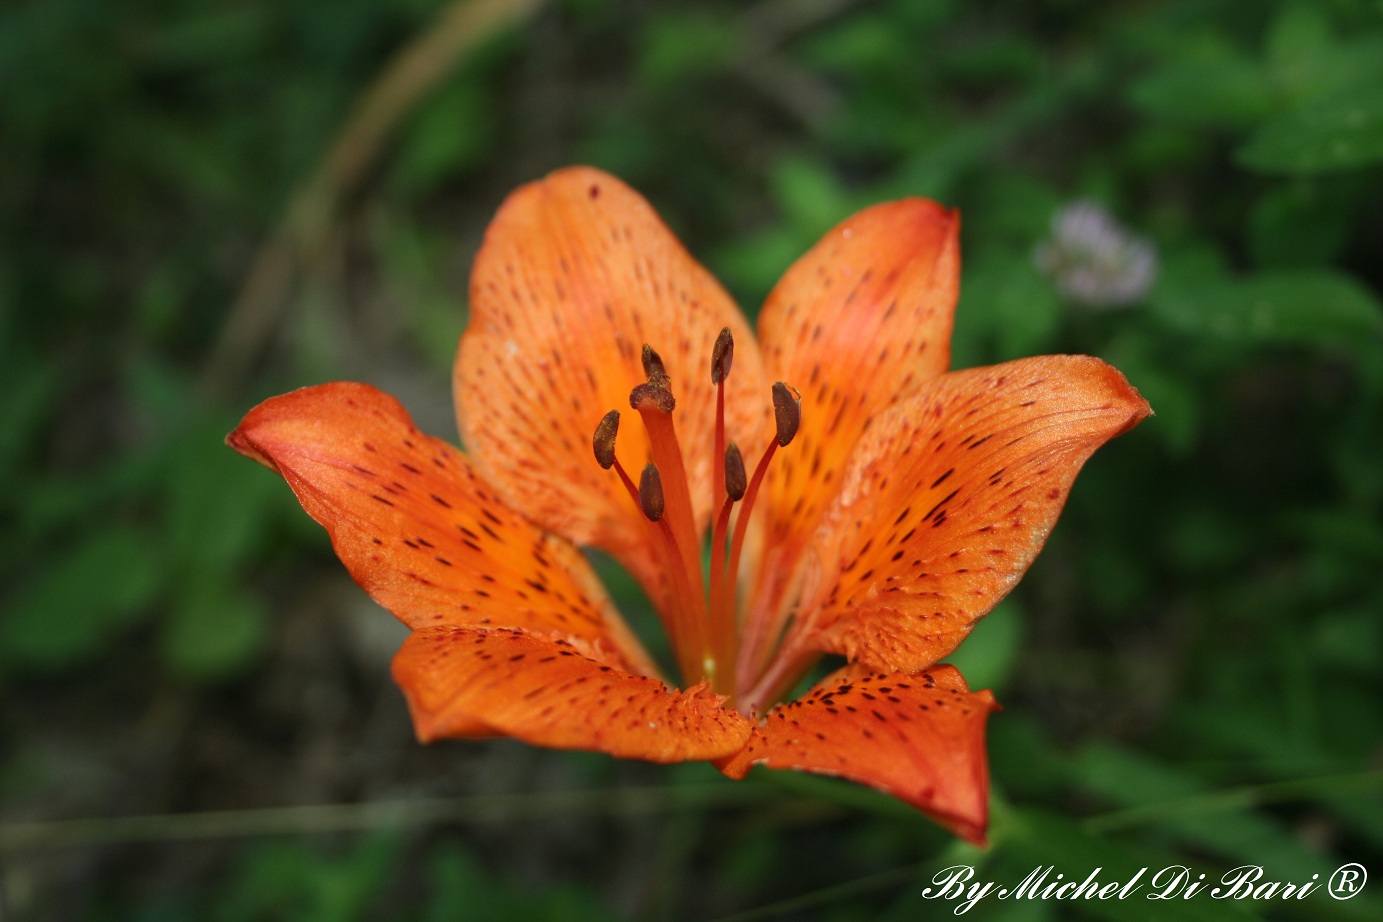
[1191, 672]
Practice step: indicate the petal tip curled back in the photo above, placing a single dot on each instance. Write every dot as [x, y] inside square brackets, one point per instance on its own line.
[262, 431]
[238, 440]
[249, 437]
[919, 738]
[1122, 395]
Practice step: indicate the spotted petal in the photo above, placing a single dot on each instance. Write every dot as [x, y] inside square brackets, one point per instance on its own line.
[416, 526]
[919, 738]
[861, 319]
[577, 272]
[548, 693]
[949, 497]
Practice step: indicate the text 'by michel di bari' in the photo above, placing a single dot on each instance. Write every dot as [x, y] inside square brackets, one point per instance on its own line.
[961, 884]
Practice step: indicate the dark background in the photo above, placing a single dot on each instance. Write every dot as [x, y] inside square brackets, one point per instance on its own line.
[207, 202]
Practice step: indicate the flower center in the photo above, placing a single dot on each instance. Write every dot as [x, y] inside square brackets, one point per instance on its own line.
[699, 614]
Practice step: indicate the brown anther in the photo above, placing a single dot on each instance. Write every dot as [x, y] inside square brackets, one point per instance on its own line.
[651, 493]
[652, 396]
[653, 367]
[722, 356]
[604, 439]
[735, 480]
[787, 411]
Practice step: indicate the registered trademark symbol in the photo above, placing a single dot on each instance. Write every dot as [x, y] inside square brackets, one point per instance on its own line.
[1347, 881]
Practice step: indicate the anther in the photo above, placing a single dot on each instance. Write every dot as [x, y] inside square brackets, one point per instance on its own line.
[722, 356]
[651, 493]
[787, 412]
[652, 396]
[653, 367]
[604, 439]
[735, 480]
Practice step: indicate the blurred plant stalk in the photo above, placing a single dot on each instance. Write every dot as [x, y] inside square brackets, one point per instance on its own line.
[299, 240]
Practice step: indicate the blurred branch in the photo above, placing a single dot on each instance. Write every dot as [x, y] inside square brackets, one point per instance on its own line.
[220, 824]
[832, 894]
[405, 80]
[957, 852]
[1237, 799]
[770, 24]
[776, 21]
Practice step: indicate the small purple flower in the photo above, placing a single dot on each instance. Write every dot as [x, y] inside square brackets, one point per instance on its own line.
[1093, 260]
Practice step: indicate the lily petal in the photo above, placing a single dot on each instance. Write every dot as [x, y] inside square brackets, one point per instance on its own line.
[918, 738]
[949, 497]
[548, 693]
[861, 319]
[576, 273]
[415, 525]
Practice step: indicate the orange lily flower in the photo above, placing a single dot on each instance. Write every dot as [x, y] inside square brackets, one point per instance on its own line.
[894, 502]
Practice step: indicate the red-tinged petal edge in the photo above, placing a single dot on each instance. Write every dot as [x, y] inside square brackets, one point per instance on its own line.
[417, 527]
[917, 738]
[546, 692]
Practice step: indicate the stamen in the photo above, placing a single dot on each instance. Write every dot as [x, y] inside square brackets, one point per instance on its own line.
[742, 520]
[604, 444]
[701, 620]
[604, 439]
[649, 498]
[787, 412]
[724, 629]
[651, 493]
[722, 356]
[735, 481]
[721, 601]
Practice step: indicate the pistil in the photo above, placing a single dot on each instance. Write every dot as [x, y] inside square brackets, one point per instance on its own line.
[655, 404]
[648, 496]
